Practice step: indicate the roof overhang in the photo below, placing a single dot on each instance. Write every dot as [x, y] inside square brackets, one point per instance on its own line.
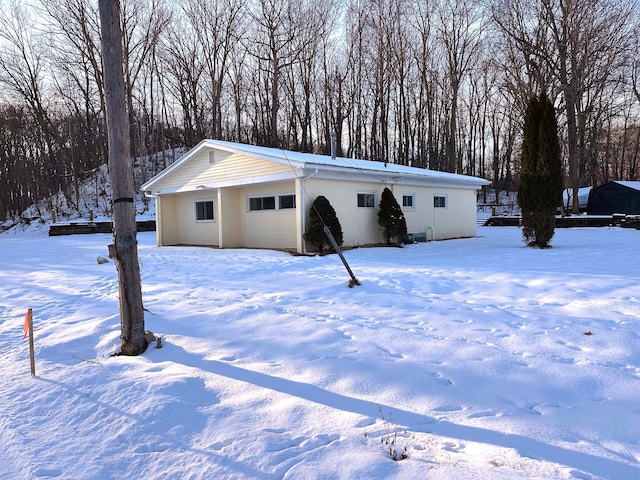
[278, 177]
[303, 165]
[393, 178]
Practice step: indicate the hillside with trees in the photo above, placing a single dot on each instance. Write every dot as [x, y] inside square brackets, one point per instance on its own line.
[440, 85]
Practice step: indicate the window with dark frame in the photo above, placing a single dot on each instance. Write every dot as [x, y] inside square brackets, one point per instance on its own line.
[284, 202]
[366, 200]
[409, 200]
[262, 203]
[440, 201]
[204, 210]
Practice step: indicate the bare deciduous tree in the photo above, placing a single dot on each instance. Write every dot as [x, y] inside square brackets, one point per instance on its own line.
[460, 26]
[283, 35]
[584, 44]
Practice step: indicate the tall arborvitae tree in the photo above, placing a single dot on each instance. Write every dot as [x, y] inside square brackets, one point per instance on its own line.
[540, 192]
[390, 217]
[321, 214]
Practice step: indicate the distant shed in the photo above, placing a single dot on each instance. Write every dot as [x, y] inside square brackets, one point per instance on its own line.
[615, 197]
[583, 198]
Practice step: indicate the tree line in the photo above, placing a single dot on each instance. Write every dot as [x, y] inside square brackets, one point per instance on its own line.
[439, 84]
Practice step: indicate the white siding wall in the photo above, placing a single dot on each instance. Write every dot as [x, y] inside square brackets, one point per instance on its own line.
[230, 209]
[268, 228]
[191, 231]
[359, 225]
[166, 223]
[179, 225]
[419, 218]
[457, 219]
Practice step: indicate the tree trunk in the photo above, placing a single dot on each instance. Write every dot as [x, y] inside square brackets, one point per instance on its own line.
[125, 248]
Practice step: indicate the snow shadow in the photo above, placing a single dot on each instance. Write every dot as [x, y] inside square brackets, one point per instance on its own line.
[417, 422]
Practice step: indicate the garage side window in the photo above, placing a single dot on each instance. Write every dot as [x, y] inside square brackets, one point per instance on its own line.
[409, 200]
[440, 201]
[286, 201]
[366, 199]
[204, 210]
[272, 202]
[262, 203]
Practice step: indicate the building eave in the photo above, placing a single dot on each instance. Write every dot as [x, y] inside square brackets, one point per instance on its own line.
[338, 169]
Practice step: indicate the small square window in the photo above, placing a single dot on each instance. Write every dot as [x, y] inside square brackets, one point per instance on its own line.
[255, 204]
[268, 203]
[366, 200]
[286, 201]
[204, 210]
[440, 201]
[409, 200]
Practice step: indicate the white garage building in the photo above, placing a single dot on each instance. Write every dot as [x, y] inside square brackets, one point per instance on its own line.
[232, 195]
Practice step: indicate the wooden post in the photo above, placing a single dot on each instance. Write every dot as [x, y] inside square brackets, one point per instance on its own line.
[31, 353]
[125, 245]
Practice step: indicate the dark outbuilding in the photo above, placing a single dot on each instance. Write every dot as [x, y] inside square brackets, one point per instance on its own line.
[615, 197]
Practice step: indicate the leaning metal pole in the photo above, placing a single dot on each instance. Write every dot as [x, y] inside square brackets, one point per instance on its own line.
[354, 281]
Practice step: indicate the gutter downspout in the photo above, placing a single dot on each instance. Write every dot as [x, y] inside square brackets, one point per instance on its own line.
[158, 209]
[148, 194]
[303, 212]
[433, 233]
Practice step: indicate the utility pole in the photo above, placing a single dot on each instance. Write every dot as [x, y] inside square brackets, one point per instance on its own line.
[125, 245]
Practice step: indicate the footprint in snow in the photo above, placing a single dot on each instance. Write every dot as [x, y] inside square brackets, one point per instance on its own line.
[367, 422]
[448, 408]
[454, 447]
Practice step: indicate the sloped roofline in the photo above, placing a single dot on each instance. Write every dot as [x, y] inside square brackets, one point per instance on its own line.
[298, 160]
[628, 184]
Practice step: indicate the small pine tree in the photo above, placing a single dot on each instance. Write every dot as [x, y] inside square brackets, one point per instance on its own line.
[321, 214]
[540, 191]
[390, 217]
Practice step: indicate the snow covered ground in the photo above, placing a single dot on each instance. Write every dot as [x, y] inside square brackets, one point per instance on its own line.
[477, 358]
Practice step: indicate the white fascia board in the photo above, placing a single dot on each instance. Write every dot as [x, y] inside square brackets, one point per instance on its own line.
[396, 178]
[464, 183]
